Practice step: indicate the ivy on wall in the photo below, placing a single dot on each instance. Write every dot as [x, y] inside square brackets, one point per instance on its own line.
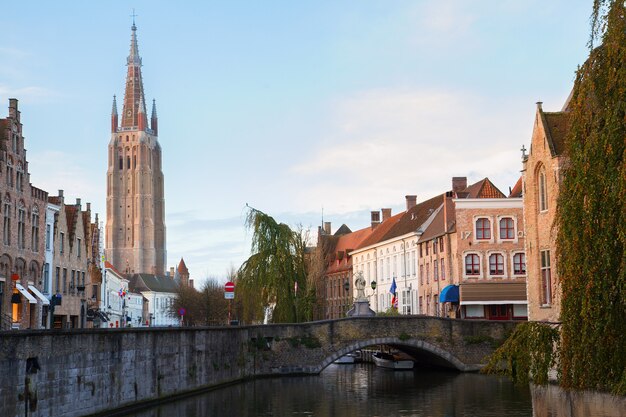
[590, 218]
[530, 352]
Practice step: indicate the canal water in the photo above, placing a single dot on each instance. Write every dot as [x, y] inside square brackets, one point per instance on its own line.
[363, 390]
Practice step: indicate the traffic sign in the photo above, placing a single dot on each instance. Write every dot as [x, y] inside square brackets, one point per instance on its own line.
[229, 295]
[229, 287]
[182, 311]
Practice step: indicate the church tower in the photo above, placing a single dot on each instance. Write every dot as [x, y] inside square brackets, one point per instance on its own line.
[135, 223]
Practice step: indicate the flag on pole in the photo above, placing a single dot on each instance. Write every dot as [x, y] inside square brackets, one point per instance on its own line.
[394, 297]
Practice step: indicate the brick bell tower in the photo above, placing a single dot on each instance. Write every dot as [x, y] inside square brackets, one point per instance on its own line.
[135, 222]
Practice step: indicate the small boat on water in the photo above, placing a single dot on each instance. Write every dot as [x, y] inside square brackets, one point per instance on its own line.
[352, 357]
[391, 361]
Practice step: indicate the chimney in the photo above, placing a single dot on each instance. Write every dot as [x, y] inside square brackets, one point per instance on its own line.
[327, 228]
[539, 103]
[78, 203]
[172, 272]
[61, 196]
[88, 206]
[386, 213]
[411, 201]
[13, 112]
[459, 184]
[375, 219]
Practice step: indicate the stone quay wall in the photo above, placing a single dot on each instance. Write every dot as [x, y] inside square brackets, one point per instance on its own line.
[66, 373]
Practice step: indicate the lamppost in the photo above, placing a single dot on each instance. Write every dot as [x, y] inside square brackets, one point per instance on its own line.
[373, 285]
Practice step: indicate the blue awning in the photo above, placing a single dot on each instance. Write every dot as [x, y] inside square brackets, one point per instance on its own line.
[449, 294]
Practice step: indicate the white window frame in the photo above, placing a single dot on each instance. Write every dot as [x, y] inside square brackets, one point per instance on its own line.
[491, 234]
[489, 274]
[480, 265]
[512, 260]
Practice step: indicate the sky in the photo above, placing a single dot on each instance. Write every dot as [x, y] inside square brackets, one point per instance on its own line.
[306, 110]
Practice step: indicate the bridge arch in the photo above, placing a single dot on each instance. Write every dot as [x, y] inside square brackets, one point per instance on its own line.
[411, 345]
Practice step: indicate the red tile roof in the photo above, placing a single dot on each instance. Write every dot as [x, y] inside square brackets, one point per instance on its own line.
[344, 244]
[517, 189]
[482, 189]
[379, 233]
[108, 265]
[182, 268]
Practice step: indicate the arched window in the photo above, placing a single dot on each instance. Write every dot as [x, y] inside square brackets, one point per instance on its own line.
[483, 228]
[6, 230]
[34, 232]
[472, 264]
[496, 264]
[519, 264]
[543, 190]
[21, 225]
[546, 278]
[507, 228]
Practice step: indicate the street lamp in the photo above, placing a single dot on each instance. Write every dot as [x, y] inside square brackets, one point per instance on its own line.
[373, 285]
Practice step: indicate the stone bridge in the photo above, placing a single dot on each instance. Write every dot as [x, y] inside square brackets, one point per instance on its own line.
[92, 372]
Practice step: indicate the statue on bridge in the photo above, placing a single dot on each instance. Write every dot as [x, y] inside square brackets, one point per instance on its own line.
[361, 305]
[359, 284]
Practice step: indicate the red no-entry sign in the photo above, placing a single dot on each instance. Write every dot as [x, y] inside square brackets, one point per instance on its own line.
[229, 290]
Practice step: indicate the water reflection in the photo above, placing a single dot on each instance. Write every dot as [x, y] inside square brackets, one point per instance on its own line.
[364, 390]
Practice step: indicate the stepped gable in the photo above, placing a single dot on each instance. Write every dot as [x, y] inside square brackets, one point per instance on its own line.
[516, 191]
[71, 213]
[556, 126]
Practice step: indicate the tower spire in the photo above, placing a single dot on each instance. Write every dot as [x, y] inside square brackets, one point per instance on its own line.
[154, 123]
[114, 116]
[134, 84]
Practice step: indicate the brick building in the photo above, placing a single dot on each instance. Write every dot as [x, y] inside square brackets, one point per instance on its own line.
[74, 267]
[542, 175]
[469, 253]
[23, 212]
[336, 286]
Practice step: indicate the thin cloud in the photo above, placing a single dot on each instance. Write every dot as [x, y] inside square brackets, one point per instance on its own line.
[387, 143]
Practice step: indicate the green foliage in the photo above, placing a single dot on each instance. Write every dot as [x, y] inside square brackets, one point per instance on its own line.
[404, 337]
[529, 353]
[269, 275]
[390, 312]
[591, 207]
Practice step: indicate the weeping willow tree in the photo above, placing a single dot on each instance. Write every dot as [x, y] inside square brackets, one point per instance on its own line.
[591, 207]
[268, 278]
